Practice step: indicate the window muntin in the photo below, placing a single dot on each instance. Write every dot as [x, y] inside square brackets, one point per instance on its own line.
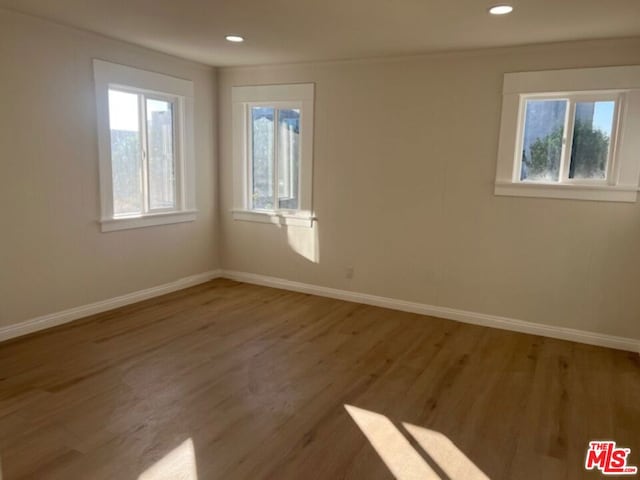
[567, 139]
[274, 146]
[142, 128]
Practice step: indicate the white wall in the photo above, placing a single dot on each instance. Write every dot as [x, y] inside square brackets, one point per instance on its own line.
[52, 253]
[405, 159]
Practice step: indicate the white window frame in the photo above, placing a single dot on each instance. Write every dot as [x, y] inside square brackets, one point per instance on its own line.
[567, 145]
[153, 86]
[621, 84]
[296, 96]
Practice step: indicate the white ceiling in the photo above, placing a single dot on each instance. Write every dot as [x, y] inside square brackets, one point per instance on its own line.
[280, 31]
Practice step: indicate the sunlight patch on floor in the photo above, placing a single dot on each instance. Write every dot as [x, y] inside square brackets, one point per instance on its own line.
[449, 458]
[394, 449]
[439, 459]
[178, 464]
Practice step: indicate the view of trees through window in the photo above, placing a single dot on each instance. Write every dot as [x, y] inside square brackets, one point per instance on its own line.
[544, 133]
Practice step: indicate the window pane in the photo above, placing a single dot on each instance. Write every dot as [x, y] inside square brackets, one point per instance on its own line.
[591, 137]
[162, 179]
[126, 159]
[262, 135]
[542, 140]
[288, 158]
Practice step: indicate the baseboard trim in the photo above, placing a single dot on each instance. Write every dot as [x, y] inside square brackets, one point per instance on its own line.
[483, 319]
[475, 318]
[66, 316]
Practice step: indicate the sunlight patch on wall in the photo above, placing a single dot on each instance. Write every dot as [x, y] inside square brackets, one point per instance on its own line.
[394, 449]
[304, 241]
[178, 464]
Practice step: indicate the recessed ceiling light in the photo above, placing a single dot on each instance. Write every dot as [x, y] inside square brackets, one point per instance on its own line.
[234, 38]
[500, 9]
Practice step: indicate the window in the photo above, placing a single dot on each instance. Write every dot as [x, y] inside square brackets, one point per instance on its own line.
[566, 140]
[570, 144]
[275, 157]
[273, 143]
[145, 146]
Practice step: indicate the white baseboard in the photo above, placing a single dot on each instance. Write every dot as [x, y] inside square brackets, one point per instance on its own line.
[486, 320]
[65, 316]
[483, 319]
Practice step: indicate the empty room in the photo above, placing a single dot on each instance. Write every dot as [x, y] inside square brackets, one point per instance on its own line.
[319, 239]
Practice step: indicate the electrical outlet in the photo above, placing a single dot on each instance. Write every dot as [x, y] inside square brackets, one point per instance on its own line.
[348, 272]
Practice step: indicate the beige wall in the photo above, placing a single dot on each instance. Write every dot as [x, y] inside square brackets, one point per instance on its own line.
[52, 253]
[405, 159]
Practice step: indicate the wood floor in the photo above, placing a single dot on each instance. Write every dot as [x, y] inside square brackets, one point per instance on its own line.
[265, 383]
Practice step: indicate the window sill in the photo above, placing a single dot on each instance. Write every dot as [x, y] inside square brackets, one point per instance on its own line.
[150, 220]
[602, 193]
[276, 218]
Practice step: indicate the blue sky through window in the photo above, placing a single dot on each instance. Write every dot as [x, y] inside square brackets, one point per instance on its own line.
[603, 116]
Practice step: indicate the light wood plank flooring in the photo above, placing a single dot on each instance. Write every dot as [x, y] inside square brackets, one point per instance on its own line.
[259, 381]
